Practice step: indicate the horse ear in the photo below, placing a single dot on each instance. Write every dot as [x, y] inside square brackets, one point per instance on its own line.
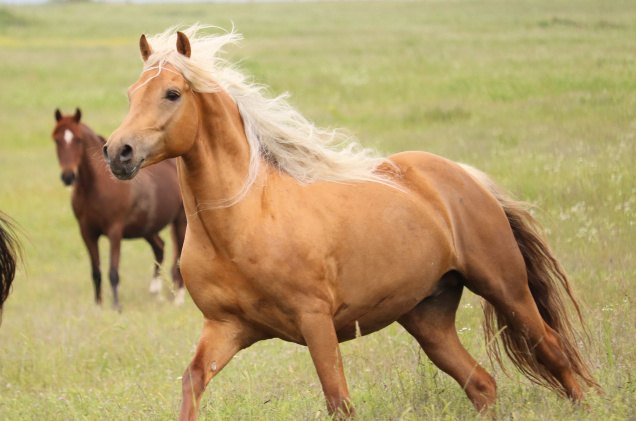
[58, 114]
[78, 115]
[183, 45]
[144, 47]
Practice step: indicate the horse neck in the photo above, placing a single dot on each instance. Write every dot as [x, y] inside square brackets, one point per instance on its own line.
[216, 167]
[91, 167]
[217, 164]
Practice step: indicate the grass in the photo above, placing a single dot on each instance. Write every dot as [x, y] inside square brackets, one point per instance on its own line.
[539, 94]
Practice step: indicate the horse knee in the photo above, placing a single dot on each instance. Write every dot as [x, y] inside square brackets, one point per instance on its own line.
[192, 381]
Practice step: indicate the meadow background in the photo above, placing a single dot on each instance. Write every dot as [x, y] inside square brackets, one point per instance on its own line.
[538, 93]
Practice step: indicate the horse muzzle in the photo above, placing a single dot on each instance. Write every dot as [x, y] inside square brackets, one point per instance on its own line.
[68, 178]
[122, 160]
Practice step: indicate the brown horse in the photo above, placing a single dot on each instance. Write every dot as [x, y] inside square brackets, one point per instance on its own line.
[9, 253]
[106, 206]
[291, 237]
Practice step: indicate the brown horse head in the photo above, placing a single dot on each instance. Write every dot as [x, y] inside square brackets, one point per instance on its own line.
[162, 119]
[67, 135]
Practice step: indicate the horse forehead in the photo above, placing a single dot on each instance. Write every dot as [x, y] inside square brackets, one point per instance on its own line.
[157, 76]
[68, 136]
[66, 131]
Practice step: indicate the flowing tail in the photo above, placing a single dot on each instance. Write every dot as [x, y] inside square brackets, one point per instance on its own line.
[9, 253]
[551, 291]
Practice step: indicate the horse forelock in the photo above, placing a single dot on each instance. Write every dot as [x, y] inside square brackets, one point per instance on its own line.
[276, 132]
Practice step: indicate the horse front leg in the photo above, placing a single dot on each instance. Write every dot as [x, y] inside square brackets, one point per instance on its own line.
[91, 242]
[320, 337]
[219, 342]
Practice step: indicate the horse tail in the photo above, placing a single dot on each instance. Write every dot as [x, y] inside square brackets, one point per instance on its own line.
[9, 254]
[551, 290]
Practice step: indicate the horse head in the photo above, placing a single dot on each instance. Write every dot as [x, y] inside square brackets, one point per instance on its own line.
[68, 142]
[162, 119]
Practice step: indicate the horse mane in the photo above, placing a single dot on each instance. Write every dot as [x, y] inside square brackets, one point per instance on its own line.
[276, 132]
[10, 253]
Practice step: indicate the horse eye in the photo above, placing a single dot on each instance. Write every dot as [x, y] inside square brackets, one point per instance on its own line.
[172, 95]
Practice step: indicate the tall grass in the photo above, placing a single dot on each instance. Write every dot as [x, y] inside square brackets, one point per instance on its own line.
[539, 94]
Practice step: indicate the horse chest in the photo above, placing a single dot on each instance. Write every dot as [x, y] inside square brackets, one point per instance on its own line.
[223, 287]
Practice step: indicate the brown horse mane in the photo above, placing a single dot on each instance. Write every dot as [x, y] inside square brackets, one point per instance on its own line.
[10, 254]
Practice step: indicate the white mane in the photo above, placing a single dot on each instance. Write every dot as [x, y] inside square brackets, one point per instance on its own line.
[275, 131]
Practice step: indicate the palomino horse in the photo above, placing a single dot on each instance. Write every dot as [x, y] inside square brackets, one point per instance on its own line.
[106, 206]
[9, 252]
[293, 236]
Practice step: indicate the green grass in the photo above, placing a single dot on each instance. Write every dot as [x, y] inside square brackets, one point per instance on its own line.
[539, 94]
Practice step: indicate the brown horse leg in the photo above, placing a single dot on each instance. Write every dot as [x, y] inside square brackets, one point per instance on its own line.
[219, 342]
[320, 336]
[157, 244]
[178, 234]
[432, 323]
[115, 238]
[91, 241]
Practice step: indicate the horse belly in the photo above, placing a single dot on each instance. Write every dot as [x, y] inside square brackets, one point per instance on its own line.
[380, 302]
[399, 256]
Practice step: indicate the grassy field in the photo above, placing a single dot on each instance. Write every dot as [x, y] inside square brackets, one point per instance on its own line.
[539, 94]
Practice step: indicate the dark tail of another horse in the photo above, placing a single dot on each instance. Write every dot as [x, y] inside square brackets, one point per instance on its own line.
[9, 253]
[551, 291]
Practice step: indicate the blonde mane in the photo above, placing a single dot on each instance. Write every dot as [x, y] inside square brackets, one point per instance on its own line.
[276, 132]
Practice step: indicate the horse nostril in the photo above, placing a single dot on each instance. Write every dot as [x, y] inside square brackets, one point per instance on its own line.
[105, 151]
[126, 153]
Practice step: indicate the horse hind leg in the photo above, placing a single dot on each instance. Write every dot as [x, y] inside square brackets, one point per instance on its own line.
[510, 264]
[178, 234]
[534, 347]
[157, 244]
[432, 323]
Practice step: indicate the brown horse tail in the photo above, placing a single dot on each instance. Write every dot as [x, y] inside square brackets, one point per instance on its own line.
[551, 291]
[9, 253]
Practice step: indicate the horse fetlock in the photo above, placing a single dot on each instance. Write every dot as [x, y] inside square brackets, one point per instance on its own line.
[155, 285]
[180, 296]
[341, 409]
